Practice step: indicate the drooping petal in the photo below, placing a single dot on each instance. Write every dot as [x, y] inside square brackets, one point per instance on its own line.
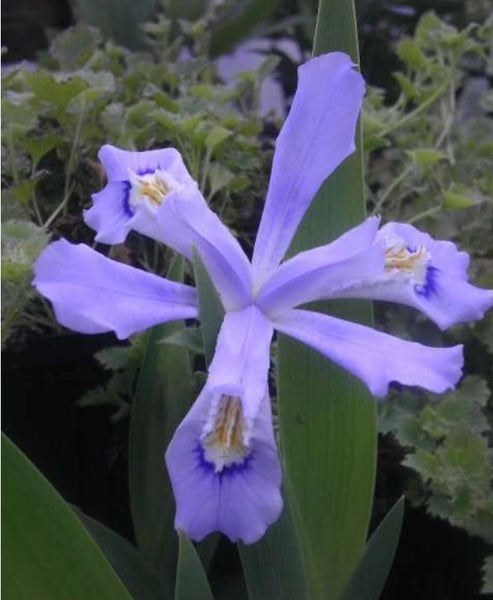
[94, 294]
[188, 221]
[318, 274]
[374, 357]
[427, 274]
[138, 182]
[240, 500]
[241, 361]
[316, 137]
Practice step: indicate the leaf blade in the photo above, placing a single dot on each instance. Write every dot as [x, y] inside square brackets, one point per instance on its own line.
[163, 396]
[369, 578]
[191, 582]
[48, 554]
[327, 419]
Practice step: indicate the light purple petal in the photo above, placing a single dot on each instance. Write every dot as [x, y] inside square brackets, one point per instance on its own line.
[241, 361]
[443, 292]
[117, 163]
[318, 274]
[316, 137]
[375, 358]
[108, 215]
[111, 215]
[93, 294]
[188, 221]
[242, 500]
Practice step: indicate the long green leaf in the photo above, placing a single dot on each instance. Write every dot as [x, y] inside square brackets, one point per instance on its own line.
[117, 19]
[46, 552]
[273, 567]
[191, 582]
[239, 23]
[164, 393]
[210, 307]
[131, 566]
[369, 578]
[327, 418]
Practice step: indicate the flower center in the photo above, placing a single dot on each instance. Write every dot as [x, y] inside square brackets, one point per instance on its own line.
[151, 189]
[223, 444]
[413, 263]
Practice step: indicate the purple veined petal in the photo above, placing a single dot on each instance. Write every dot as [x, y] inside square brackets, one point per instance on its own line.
[239, 496]
[374, 357]
[427, 274]
[316, 137]
[186, 222]
[318, 274]
[242, 356]
[138, 182]
[94, 294]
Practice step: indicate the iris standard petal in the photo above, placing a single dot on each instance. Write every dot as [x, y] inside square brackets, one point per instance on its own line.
[242, 356]
[138, 182]
[186, 222]
[117, 163]
[93, 294]
[241, 499]
[427, 274]
[318, 274]
[316, 137]
[375, 358]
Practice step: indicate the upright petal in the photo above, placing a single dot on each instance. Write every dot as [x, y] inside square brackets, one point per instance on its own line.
[188, 221]
[138, 182]
[316, 137]
[239, 497]
[317, 274]
[374, 357]
[425, 273]
[93, 294]
[241, 361]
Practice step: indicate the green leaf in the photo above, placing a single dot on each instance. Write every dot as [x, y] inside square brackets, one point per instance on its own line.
[456, 201]
[424, 158]
[187, 337]
[216, 137]
[131, 566]
[47, 553]
[369, 578]
[210, 307]
[163, 396]
[191, 582]
[39, 146]
[273, 567]
[241, 20]
[410, 53]
[327, 418]
[54, 91]
[118, 19]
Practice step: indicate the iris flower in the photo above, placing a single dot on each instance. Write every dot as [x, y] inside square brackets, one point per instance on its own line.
[222, 460]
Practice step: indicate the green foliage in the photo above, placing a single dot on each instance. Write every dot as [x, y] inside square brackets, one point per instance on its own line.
[86, 92]
[123, 362]
[447, 440]
[429, 160]
[370, 575]
[22, 241]
[48, 554]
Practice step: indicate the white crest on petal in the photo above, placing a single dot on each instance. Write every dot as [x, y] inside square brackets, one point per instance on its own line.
[151, 189]
[405, 263]
[223, 438]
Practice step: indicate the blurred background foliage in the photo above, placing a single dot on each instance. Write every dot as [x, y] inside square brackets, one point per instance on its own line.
[428, 134]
